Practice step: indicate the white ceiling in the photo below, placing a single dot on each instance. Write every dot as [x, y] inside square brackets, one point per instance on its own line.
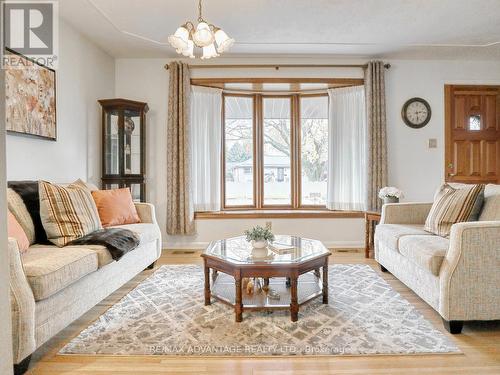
[383, 28]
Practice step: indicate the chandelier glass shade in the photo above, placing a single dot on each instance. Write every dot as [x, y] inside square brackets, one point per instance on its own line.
[204, 35]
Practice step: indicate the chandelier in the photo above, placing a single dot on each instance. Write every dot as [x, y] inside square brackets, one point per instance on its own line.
[204, 36]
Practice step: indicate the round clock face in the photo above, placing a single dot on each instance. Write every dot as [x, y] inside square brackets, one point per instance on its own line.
[416, 113]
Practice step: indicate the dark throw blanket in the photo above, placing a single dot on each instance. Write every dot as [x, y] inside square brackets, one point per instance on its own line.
[117, 241]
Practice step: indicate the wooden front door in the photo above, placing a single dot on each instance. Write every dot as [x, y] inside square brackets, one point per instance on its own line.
[472, 138]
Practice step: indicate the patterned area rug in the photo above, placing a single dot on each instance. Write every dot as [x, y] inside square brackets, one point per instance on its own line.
[165, 315]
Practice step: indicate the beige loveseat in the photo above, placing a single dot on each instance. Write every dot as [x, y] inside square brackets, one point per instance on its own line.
[460, 276]
[51, 287]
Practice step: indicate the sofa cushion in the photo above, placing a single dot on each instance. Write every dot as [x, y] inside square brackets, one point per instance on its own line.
[425, 251]
[28, 191]
[16, 231]
[147, 232]
[491, 206]
[103, 255]
[390, 234]
[50, 269]
[20, 212]
[115, 207]
[67, 213]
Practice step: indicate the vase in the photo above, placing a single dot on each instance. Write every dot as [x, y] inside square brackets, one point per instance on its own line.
[391, 200]
[259, 252]
[259, 244]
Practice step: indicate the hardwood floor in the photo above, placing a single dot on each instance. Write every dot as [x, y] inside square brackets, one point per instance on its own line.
[480, 343]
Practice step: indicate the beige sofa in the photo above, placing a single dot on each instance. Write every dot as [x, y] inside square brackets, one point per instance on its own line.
[51, 287]
[460, 276]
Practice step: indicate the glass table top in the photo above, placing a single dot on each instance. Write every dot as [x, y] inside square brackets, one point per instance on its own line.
[284, 250]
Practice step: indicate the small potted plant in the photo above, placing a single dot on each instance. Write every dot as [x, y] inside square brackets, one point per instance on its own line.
[259, 237]
[390, 194]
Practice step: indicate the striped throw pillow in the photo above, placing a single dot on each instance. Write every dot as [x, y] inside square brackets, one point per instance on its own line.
[67, 213]
[453, 206]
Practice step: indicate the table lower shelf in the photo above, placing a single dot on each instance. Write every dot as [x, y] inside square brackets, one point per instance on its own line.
[308, 287]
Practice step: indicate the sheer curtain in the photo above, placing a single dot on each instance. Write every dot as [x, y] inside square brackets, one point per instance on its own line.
[205, 144]
[347, 149]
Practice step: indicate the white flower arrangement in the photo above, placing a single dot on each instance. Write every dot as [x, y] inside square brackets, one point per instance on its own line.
[390, 191]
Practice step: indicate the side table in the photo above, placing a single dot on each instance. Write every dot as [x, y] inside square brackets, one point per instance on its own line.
[371, 218]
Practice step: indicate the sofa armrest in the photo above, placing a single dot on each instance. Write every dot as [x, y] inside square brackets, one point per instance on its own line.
[470, 273]
[22, 307]
[405, 213]
[146, 212]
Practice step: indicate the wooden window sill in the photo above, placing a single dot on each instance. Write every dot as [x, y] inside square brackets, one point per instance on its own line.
[278, 214]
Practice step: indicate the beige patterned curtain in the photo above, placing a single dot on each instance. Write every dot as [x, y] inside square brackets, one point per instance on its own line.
[377, 137]
[180, 215]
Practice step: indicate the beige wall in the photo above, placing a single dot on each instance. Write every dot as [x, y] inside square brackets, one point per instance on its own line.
[85, 74]
[413, 167]
[147, 80]
[5, 319]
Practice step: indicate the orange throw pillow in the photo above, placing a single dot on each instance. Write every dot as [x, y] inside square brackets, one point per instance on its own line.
[16, 231]
[115, 207]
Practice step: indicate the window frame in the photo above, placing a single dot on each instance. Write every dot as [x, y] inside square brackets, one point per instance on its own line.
[258, 156]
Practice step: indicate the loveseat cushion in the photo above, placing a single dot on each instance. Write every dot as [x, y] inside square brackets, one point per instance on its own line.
[147, 232]
[452, 205]
[426, 251]
[491, 206]
[390, 234]
[50, 269]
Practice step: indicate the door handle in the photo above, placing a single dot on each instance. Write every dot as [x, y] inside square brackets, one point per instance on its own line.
[451, 174]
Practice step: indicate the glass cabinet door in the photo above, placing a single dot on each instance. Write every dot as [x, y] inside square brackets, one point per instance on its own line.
[137, 191]
[111, 143]
[132, 142]
[123, 145]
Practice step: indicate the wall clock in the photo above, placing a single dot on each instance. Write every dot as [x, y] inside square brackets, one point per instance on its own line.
[416, 113]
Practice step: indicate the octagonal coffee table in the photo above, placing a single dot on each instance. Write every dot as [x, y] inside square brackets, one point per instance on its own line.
[291, 269]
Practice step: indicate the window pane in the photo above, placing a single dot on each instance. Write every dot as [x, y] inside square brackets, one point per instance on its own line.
[314, 149]
[277, 171]
[475, 122]
[238, 137]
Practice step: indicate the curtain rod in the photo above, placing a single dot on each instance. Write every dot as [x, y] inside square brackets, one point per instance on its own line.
[277, 66]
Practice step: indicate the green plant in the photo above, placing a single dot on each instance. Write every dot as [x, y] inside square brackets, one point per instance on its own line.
[259, 234]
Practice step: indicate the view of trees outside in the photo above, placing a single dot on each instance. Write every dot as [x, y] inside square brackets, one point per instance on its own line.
[277, 150]
[314, 149]
[277, 184]
[239, 150]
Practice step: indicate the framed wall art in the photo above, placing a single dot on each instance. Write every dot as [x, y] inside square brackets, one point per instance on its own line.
[30, 98]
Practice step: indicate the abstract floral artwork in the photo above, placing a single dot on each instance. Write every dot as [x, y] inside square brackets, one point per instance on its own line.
[30, 99]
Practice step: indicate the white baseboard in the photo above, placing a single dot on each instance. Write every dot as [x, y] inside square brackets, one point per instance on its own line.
[202, 245]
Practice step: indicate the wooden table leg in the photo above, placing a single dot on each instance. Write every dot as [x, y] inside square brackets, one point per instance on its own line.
[325, 282]
[238, 303]
[294, 301]
[367, 237]
[215, 273]
[207, 284]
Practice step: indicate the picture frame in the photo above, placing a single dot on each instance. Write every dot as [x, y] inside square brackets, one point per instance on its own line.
[30, 98]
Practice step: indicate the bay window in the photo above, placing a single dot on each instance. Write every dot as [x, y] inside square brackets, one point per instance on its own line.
[275, 150]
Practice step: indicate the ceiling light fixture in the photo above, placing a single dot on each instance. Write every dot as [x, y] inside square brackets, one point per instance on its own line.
[204, 36]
